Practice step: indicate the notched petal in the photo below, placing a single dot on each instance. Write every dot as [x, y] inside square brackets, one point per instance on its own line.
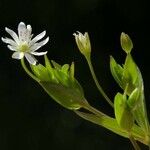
[38, 37]
[9, 41]
[22, 31]
[39, 53]
[12, 34]
[12, 48]
[30, 59]
[36, 46]
[18, 55]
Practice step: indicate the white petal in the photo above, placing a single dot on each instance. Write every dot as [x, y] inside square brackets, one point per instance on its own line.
[38, 37]
[18, 55]
[9, 41]
[22, 31]
[36, 46]
[30, 59]
[13, 34]
[29, 28]
[12, 48]
[29, 31]
[39, 53]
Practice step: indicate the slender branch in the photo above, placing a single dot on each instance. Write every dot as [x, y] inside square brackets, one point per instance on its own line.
[134, 143]
[27, 70]
[93, 110]
[97, 83]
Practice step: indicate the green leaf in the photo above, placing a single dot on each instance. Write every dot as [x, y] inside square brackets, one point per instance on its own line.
[131, 68]
[140, 112]
[130, 73]
[116, 71]
[112, 125]
[65, 96]
[123, 114]
[133, 99]
[77, 87]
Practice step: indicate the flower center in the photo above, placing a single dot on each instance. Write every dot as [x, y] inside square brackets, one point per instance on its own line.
[24, 48]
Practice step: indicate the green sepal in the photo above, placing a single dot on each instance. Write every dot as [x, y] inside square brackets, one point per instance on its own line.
[65, 68]
[123, 114]
[56, 65]
[72, 70]
[48, 64]
[41, 72]
[61, 77]
[66, 96]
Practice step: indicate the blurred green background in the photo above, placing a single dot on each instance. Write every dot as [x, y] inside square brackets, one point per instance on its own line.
[29, 118]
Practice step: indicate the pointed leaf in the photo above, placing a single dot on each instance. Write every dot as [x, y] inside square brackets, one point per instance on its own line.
[122, 112]
[117, 71]
[112, 125]
[65, 96]
[133, 99]
[130, 72]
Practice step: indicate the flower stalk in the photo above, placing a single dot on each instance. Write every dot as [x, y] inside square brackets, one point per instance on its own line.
[27, 71]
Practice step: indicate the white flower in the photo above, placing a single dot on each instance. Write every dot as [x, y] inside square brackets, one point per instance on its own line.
[23, 44]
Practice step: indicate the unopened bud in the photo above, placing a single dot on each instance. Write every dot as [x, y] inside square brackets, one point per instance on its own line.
[126, 42]
[83, 42]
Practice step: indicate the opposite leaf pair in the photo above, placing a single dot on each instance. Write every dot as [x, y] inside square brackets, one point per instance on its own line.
[129, 106]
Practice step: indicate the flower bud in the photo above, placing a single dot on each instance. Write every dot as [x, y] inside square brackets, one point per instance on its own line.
[126, 42]
[83, 43]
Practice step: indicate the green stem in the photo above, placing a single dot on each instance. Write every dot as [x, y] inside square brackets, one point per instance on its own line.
[134, 143]
[97, 83]
[93, 110]
[27, 71]
[110, 123]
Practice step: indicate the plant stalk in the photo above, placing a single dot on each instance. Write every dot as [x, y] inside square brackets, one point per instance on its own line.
[27, 71]
[97, 83]
[134, 143]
